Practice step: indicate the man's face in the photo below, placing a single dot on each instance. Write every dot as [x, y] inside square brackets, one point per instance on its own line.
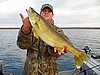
[47, 14]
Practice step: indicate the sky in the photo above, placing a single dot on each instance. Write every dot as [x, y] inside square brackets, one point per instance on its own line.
[66, 12]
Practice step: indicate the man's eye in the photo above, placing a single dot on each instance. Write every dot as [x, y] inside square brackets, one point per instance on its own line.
[46, 11]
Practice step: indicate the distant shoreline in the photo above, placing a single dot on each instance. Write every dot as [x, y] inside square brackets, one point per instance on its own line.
[80, 27]
[63, 28]
[9, 28]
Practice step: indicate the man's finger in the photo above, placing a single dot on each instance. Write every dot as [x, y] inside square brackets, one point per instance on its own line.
[22, 17]
[65, 49]
[62, 53]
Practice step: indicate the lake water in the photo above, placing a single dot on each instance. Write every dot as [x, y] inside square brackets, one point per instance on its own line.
[14, 58]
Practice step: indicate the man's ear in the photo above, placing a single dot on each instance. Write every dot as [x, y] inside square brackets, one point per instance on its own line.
[52, 14]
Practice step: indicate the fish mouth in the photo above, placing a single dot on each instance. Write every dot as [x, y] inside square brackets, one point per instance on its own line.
[29, 10]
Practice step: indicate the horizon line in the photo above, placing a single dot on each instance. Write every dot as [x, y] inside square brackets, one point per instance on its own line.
[60, 27]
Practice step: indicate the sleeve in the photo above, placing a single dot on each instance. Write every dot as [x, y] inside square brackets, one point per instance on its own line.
[24, 41]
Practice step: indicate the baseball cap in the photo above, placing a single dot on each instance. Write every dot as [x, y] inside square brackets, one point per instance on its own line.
[47, 6]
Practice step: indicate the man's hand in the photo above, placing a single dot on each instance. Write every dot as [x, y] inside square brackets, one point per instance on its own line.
[64, 50]
[26, 24]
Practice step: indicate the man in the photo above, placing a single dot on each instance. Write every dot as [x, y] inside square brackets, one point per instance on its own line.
[41, 58]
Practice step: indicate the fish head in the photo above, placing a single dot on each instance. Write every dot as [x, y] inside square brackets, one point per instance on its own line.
[32, 14]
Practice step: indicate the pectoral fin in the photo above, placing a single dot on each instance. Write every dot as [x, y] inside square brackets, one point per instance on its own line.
[35, 33]
[34, 30]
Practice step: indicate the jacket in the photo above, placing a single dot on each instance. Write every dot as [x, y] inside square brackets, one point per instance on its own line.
[40, 58]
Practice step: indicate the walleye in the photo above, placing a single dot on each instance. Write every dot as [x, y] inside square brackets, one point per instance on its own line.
[42, 29]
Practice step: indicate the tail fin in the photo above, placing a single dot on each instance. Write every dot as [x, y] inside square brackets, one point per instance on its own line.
[79, 58]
